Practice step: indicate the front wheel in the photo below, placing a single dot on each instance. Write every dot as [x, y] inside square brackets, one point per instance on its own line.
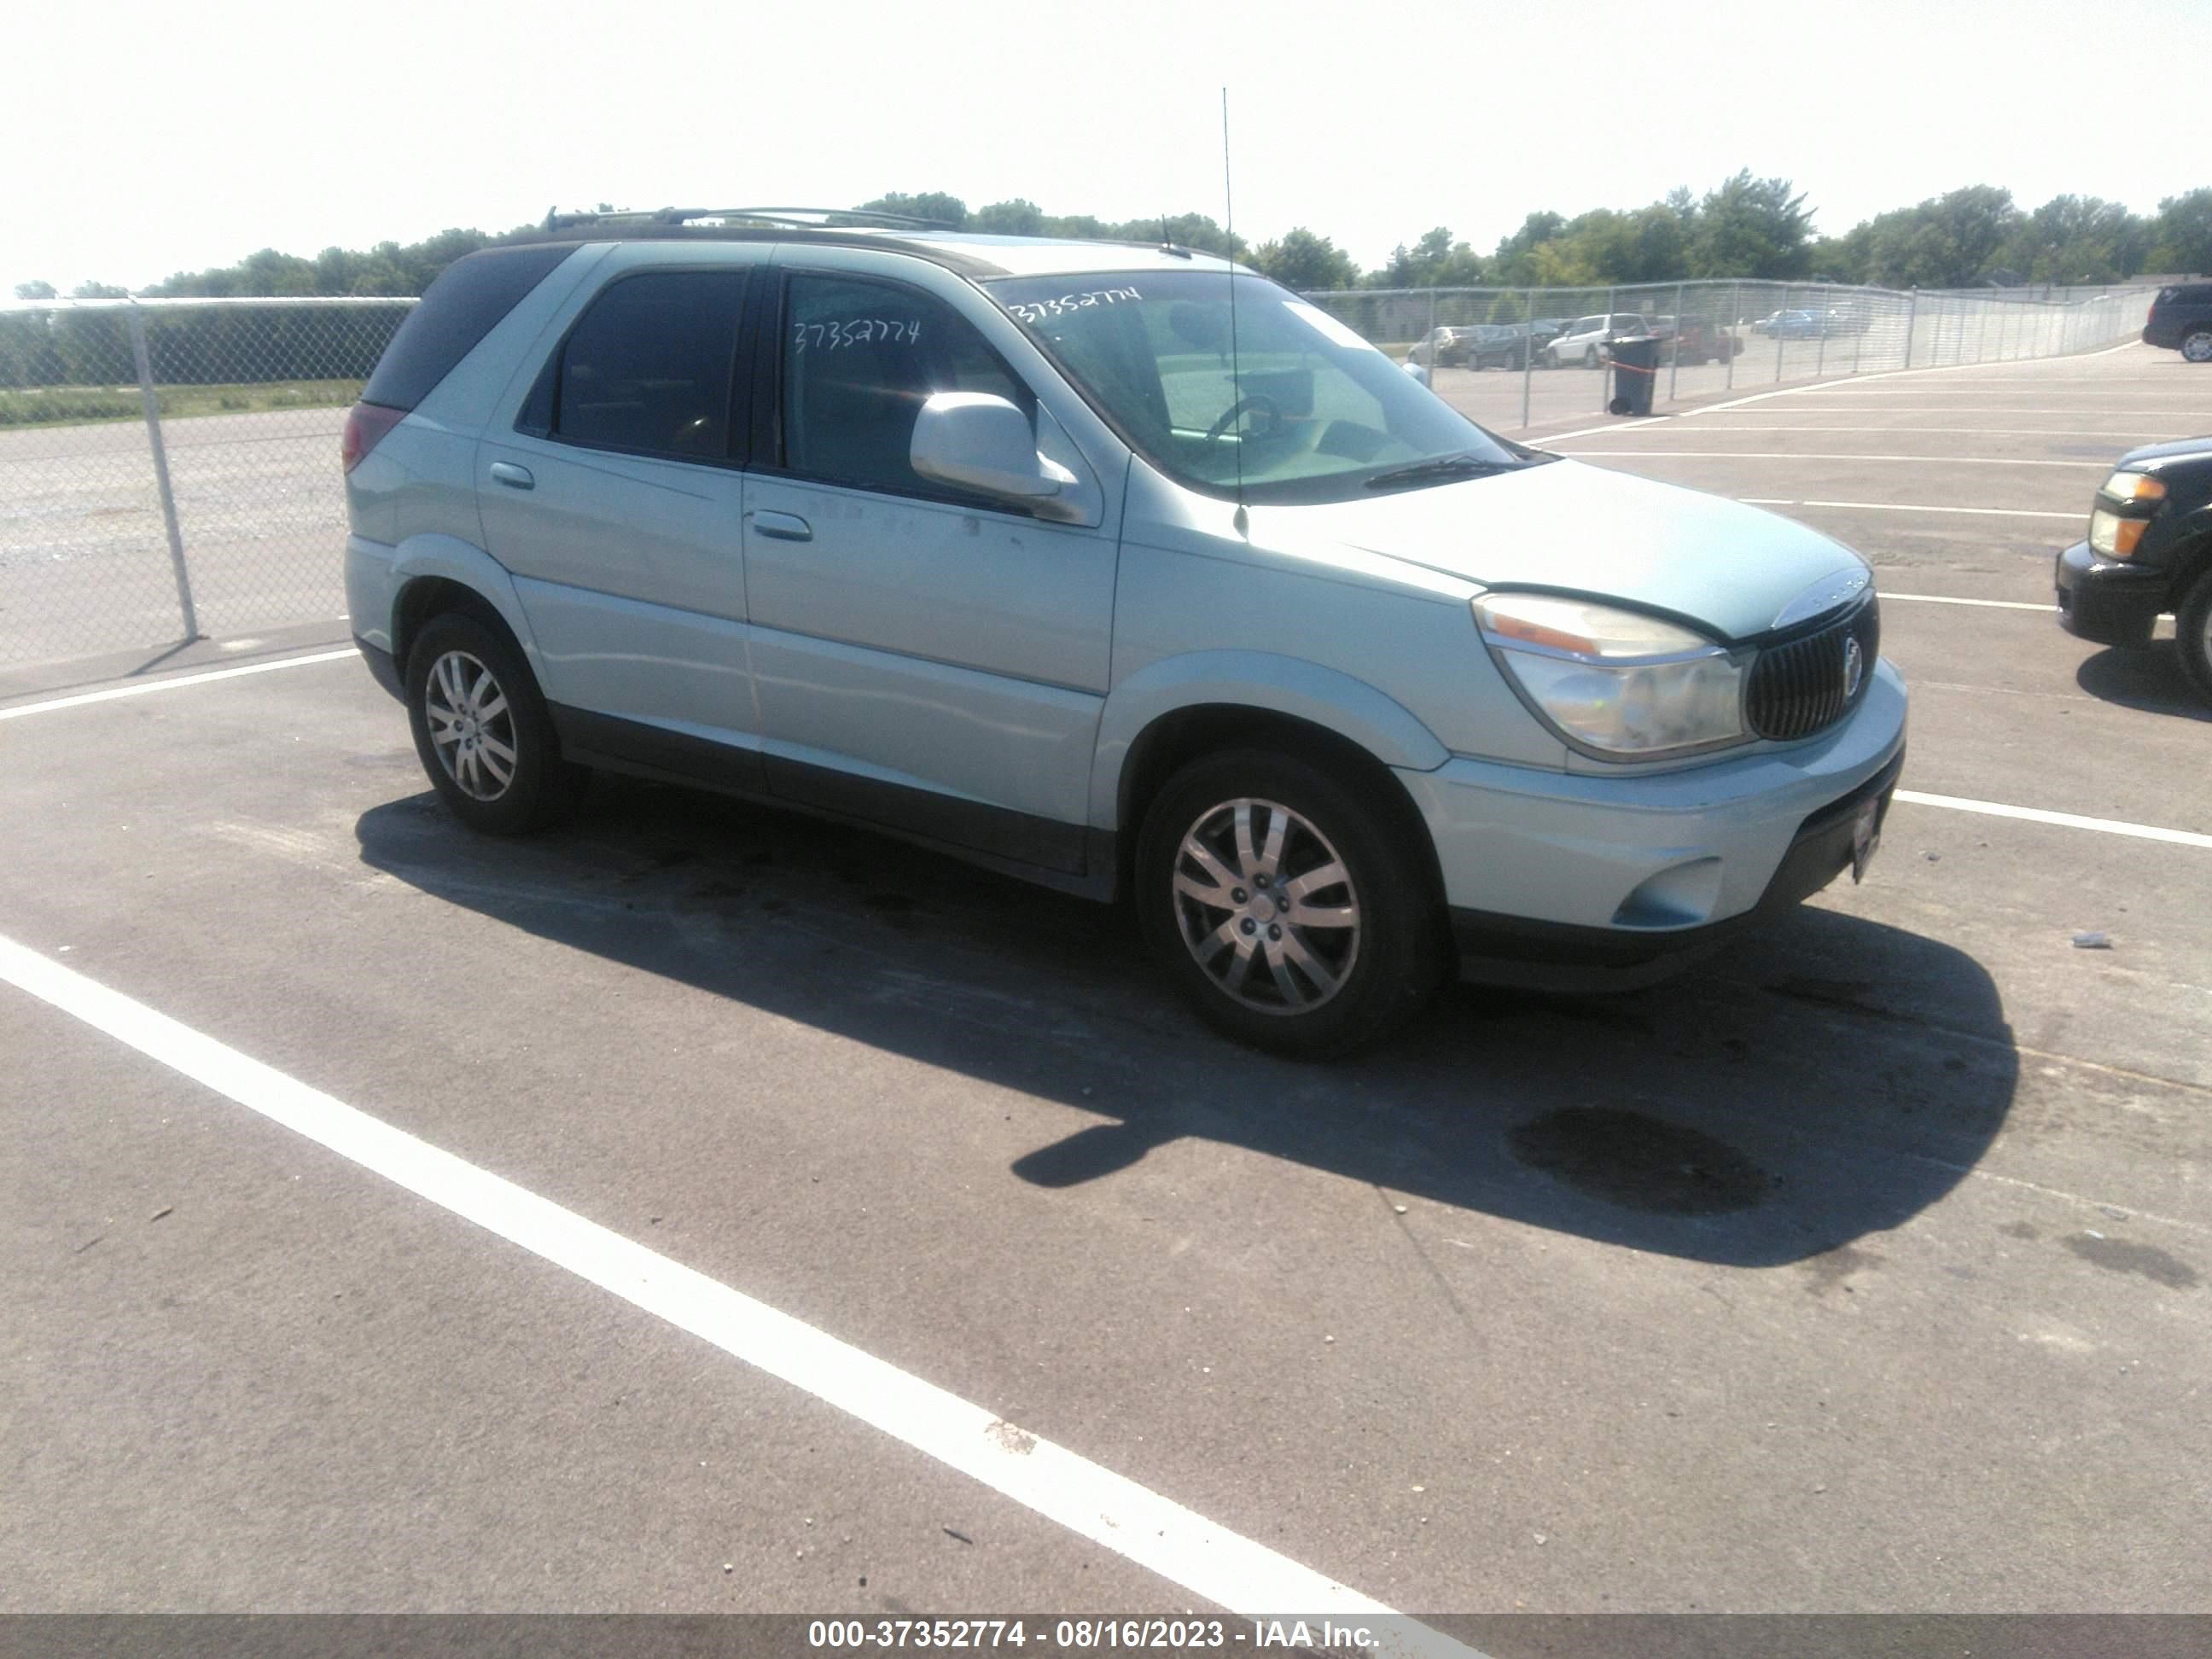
[2196, 346]
[1284, 907]
[2192, 635]
[482, 732]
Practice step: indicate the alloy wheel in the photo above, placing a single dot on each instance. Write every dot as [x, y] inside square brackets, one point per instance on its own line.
[1266, 906]
[471, 727]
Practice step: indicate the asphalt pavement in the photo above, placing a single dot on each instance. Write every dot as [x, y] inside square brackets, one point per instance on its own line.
[1863, 1268]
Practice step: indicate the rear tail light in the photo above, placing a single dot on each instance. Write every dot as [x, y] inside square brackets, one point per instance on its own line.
[364, 426]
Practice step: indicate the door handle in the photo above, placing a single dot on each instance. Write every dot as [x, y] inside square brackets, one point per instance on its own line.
[783, 527]
[514, 476]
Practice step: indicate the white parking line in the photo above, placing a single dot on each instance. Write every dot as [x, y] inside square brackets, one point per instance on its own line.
[1888, 594]
[1908, 506]
[1785, 455]
[1091, 1501]
[1617, 426]
[2064, 820]
[1955, 431]
[1923, 409]
[169, 685]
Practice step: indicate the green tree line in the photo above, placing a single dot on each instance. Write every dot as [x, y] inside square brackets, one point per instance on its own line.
[1744, 226]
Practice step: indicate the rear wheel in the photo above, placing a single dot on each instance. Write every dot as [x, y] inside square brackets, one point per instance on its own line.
[1284, 907]
[2197, 345]
[2192, 635]
[482, 732]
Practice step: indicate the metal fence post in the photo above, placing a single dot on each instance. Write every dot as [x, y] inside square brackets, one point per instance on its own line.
[1528, 350]
[1778, 311]
[1735, 319]
[1820, 316]
[145, 361]
[1612, 300]
[1674, 368]
[1911, 318]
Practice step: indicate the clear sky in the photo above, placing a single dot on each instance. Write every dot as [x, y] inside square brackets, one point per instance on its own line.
[144, 140]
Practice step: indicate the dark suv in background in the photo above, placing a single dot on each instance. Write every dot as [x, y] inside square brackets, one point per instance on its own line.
[2181, 320]
[2148, 553]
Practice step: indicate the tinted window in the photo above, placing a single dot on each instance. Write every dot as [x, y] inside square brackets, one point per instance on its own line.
[647, 370]
[859, 359]
[459, 310]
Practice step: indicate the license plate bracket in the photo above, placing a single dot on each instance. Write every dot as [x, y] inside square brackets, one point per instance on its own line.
[1866, 837]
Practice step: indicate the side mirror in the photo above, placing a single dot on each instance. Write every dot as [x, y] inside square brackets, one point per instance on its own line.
[974, 440]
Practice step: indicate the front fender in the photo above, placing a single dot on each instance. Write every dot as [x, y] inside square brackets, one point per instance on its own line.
[1351, 708]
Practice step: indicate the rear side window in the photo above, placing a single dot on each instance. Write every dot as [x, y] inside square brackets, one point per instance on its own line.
[461, 307]
[648, 367]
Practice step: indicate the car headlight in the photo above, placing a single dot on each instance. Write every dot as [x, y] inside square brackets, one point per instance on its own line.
[1618, 681]
[2137, 487]
[2113, 537]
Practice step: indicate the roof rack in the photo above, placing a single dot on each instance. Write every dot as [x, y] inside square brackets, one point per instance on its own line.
[827, 218]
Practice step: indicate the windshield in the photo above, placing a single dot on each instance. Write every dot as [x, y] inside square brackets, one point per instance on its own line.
[1308, 411]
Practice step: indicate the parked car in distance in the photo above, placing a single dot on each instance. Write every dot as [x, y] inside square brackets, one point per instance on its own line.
[1791, 326]
[1706, 342]
[2181, 320]
[1697, 340]
[1115, 569]
[1443, 348]
[1585, 339]
[2148, 554]
[1500, 345]
[1472, 345]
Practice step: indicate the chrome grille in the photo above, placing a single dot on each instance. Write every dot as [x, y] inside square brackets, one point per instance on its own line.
[1797, 686]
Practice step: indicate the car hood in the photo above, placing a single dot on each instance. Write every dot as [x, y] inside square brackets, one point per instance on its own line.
[1585, 530]
[2180, 449]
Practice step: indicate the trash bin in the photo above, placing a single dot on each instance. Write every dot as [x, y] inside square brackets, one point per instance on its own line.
[1635, 367]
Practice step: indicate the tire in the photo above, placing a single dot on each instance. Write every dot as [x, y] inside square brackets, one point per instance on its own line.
[2192, 634]
[1551, 357]
[485, 729]
[2196, 346]
[1315, 991]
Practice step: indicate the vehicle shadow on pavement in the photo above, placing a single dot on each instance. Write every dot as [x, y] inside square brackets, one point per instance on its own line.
[2151, 680]
[1828, 1078]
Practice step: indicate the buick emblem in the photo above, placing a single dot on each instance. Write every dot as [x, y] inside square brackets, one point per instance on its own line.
[1854, 668]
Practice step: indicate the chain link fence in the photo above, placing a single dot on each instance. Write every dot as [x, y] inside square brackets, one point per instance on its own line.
[169, 468]
[1518, 357]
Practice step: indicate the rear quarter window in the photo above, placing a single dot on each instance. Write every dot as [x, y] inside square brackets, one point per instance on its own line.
[463, 306]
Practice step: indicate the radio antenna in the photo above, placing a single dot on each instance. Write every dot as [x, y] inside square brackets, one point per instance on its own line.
[1235, 376]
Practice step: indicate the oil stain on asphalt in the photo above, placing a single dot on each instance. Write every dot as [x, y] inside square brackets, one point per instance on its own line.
[1639, 1162]
[2121, 1257]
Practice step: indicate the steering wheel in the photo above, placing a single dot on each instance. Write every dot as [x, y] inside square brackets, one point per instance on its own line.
[1257, 402]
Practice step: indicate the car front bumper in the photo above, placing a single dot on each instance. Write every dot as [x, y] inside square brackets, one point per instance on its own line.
[1574, 881]
[2109, 601]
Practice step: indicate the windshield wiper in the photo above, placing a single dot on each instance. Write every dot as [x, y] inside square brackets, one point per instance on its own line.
[1466, 465]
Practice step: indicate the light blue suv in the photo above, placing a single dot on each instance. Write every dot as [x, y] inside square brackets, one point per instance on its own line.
[1104, 567]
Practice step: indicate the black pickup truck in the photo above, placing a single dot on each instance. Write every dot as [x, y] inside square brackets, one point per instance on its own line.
[2149, 552]
[2181, 320]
